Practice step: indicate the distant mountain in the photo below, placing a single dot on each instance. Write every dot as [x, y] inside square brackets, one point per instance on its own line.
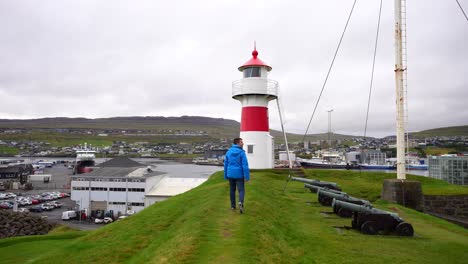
[443, 131]
[130, 122]
[215, 127]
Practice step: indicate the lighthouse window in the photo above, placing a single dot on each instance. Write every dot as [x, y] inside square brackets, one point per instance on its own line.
[252, 72]
[250, 149]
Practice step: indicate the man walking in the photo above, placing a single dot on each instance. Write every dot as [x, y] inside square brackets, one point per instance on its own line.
[236, 170]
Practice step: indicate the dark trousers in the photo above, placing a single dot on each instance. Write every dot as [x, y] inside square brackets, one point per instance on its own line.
[239, 184]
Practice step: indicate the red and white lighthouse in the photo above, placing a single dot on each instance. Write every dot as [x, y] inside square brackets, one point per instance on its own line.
[254, 91]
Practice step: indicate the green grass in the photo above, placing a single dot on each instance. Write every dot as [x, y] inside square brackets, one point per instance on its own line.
[438, 151]
[199, 227]
[368, 185]
[4, 150]
[24, 249]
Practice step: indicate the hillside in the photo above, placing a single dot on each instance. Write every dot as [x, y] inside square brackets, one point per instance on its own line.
[443, 131]
[215, 127]
[194, 123]
[290, 227]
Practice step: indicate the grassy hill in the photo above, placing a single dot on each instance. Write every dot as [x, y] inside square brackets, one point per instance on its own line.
[215, 127]
[290, 227]
[443, 131]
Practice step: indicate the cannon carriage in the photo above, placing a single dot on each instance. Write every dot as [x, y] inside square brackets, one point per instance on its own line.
[372, 221]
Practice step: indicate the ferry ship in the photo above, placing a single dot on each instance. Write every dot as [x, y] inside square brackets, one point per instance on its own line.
[84, 160]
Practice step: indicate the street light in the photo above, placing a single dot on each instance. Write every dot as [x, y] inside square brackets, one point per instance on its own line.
[329, 126]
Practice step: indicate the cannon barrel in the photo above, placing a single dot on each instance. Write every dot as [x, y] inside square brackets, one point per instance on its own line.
[367, 208]
[315, 188]
[342, 196]
[330, 185]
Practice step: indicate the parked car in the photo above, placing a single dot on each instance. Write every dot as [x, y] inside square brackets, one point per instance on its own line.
[107, 220]
[47, 198]
[56, 204]
[6, 205]
[10, 195]
[36, 209]
[47, 207]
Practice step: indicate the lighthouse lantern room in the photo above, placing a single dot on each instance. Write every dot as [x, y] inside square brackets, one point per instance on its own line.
[254, 91]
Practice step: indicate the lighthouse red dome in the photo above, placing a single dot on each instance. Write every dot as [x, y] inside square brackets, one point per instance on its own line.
[254, 61]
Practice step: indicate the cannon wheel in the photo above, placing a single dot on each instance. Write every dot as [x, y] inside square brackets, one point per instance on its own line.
[344, 213]
[404, 229]
[369, 228]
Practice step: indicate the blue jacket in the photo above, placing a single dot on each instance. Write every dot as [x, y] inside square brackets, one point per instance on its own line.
[236, 165]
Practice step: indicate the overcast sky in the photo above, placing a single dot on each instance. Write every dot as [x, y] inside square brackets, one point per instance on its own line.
[171, 58]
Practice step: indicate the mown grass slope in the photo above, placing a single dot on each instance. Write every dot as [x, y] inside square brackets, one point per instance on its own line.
[289, 227]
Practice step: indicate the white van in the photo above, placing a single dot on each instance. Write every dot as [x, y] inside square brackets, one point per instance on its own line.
[67, 215]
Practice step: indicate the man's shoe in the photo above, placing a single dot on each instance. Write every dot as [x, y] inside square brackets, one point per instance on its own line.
[233, 208]
[241, 208]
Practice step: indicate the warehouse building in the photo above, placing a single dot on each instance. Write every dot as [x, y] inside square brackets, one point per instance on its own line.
[119, 185]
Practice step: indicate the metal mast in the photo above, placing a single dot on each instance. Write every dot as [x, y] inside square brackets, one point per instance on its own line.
[284, 133]
[400, 78]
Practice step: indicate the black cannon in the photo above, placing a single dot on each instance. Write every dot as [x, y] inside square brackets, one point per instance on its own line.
[329, 185]
[325, 197]
[371, 220]
[315, 188]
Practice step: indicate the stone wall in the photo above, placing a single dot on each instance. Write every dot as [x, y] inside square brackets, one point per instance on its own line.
[450, 205]
[405, 192]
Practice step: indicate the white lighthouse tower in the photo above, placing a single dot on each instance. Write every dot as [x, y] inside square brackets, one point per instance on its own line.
[254, 91]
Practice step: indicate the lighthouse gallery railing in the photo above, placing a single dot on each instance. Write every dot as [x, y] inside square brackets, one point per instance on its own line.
[255, 86]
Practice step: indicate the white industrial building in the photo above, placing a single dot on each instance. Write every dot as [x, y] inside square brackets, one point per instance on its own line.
[122, 185]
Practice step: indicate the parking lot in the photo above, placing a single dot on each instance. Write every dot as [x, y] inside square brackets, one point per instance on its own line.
[45, 193]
